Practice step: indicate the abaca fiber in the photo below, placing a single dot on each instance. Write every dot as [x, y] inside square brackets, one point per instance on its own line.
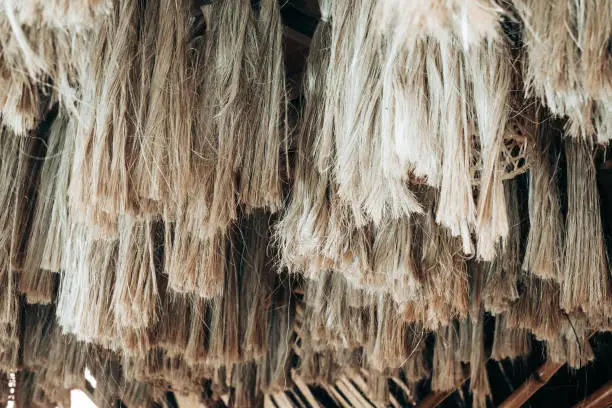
[180, 213]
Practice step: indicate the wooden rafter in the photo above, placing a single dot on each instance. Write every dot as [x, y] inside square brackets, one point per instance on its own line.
[601, 398]
[541, 376]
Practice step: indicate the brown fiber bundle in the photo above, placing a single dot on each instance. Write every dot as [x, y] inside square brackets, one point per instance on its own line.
[443, 267]
[165, 111]
[586, 279]
[352, 126]
[500, 289]
[300, 233]
[575, 75]
[260, 167]
[509, 343]
[544, 253]
[233, 61]
[104, 150]
[178, 235]
[456, 208]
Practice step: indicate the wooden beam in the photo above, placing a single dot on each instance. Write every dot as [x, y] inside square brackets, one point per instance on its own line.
[433, 399]
[303, 387]
[601, 398]
[542, 375]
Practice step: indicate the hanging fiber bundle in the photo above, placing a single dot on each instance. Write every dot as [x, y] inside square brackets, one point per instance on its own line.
[586, 279]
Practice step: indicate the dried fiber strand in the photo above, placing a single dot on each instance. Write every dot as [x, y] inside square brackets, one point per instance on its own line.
[479, 379]
[104, 148]
[471, 22]
[50, 214]
[500, 289]
[586, 279]
[260, 183]
[300, 233]
[447, 371]
[543, 253]
[234, 62]
[84, 304]
[166, 112]
[490, 72]
[225, 338]
[135, 295]
[537, 308]
[393, 266]
[456, 209]
[571, 344]
[409, 139]
[509, 343]
[443, 267]
[358, 169]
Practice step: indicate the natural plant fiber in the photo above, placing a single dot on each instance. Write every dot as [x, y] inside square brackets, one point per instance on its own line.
[586, 279]
[543, 253]
[179, 214]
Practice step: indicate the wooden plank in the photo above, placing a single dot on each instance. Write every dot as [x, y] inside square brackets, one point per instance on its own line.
[336, 396]
[433, 399]
[541, 376]
[268, 403]
[600, 398]
[303, 387]
[349, 385]
[350, 394]
[282, 400]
